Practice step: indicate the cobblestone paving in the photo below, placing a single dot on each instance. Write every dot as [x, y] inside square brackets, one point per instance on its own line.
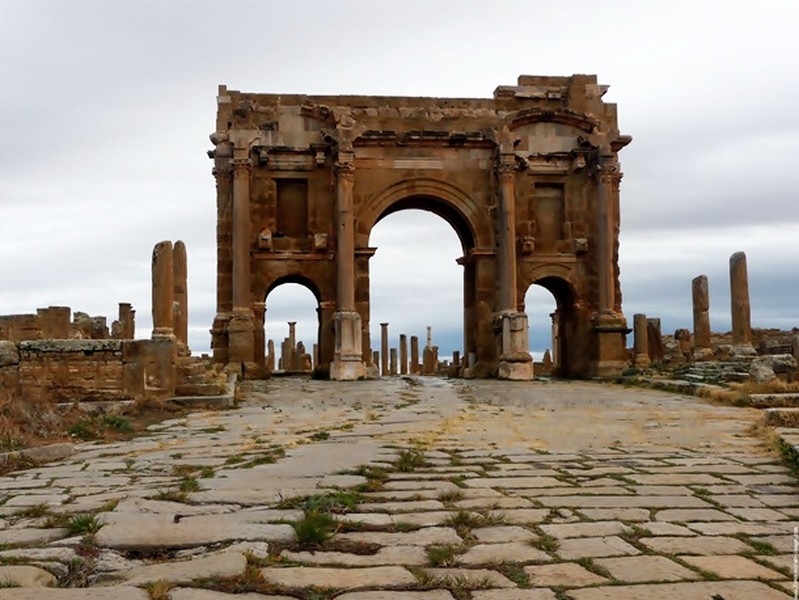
[422, 489]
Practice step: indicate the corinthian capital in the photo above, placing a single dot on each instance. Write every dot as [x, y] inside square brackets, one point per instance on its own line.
[344, 169]
[241, 165]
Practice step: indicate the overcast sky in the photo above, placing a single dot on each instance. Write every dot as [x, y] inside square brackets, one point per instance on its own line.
[106, 108]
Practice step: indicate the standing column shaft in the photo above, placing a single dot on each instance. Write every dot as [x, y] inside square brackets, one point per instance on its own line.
[346, 237]
[162, 289]
[414, 355]
[701, 305]
[506, 255]
[403, 354]
[180, 274]
[739, 296]
[641, 332]
[241, 233]
[384, 359]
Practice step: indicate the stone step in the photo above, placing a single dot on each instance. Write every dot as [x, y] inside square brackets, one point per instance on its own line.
[782, 417]
[774, 400]
[199, 389]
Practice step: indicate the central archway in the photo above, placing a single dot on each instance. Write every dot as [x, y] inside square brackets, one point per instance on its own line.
[474, 233]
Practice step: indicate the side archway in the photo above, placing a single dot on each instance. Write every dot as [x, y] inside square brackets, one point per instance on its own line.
[569, 324]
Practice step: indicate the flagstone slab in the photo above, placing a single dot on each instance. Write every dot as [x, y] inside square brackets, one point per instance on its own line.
[120, 592]
[681, 515]
[199, 594]
[591, 547]
[641, 569]
[695, 545]
[29, 536]
[617, 502]
[733, 528]
[502, 533]
[342, 579]
[397, 507]
[531, 594]
[562, 574]
[472, 578]
[732, 567]
[25, 576]
[699, 590]
[143, 531]
[390, 595]
[592, 529]
[422, 519]
[632, 515]
[420, 537]
[522, 516]
[503, 552]
[389, 555]
[224, 564]
[514, 483]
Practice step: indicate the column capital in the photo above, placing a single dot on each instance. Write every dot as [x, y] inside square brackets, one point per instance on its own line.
[344, 169]
[506, 166]
[222, 172]
[240, 165]
[608, 170]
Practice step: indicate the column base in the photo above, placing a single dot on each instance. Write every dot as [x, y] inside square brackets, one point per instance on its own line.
[743, 350]
[515, 370]
[702, 354]
[642, 361]
[515, 362]
[241, 342]
[341, 370]
[348, 362]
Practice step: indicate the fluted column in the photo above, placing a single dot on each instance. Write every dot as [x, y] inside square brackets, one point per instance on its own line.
[506, 252]
[241, 325]
[348, 363]
[515, 361]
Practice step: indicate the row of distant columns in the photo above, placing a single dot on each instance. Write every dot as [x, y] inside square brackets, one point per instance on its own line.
[169, 292]
[740, 310]
[397, 363]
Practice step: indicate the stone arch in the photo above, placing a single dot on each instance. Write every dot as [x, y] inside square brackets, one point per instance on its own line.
[571, 346]
[325, 334]
[440, 197]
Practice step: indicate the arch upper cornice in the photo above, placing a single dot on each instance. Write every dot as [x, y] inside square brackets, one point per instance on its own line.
[563, 116]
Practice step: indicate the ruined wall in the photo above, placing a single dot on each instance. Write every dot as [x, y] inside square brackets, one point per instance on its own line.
[86, 370]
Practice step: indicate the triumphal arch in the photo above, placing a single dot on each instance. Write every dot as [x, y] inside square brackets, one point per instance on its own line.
[529, 180]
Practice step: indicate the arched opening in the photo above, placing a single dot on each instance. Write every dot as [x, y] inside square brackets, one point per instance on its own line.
[549, 304]
[292, 326]
[415, 281]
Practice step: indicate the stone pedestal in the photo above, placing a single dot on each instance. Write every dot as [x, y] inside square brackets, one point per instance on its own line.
[641, 332]
[515, 362]
[347, 364]
[610, 331]
[241, 343]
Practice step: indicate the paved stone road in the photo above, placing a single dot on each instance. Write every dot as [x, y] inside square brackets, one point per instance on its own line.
[468, 489]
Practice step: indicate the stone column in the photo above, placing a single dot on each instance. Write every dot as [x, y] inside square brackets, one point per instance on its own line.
[393, 362]
[741, 312]
[241, 350]
[126, 321]
[515, 361]
[655, 339]
[609, 325]
[180, 275]
[270, 355]
[414, 355]
[701, 305]
[555, 355]
[641, 332]
[348, 363]
[162, 290]
[384, 348]
[403, 354]
[429, 343]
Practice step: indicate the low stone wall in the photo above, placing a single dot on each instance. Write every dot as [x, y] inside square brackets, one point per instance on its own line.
[86, 370]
